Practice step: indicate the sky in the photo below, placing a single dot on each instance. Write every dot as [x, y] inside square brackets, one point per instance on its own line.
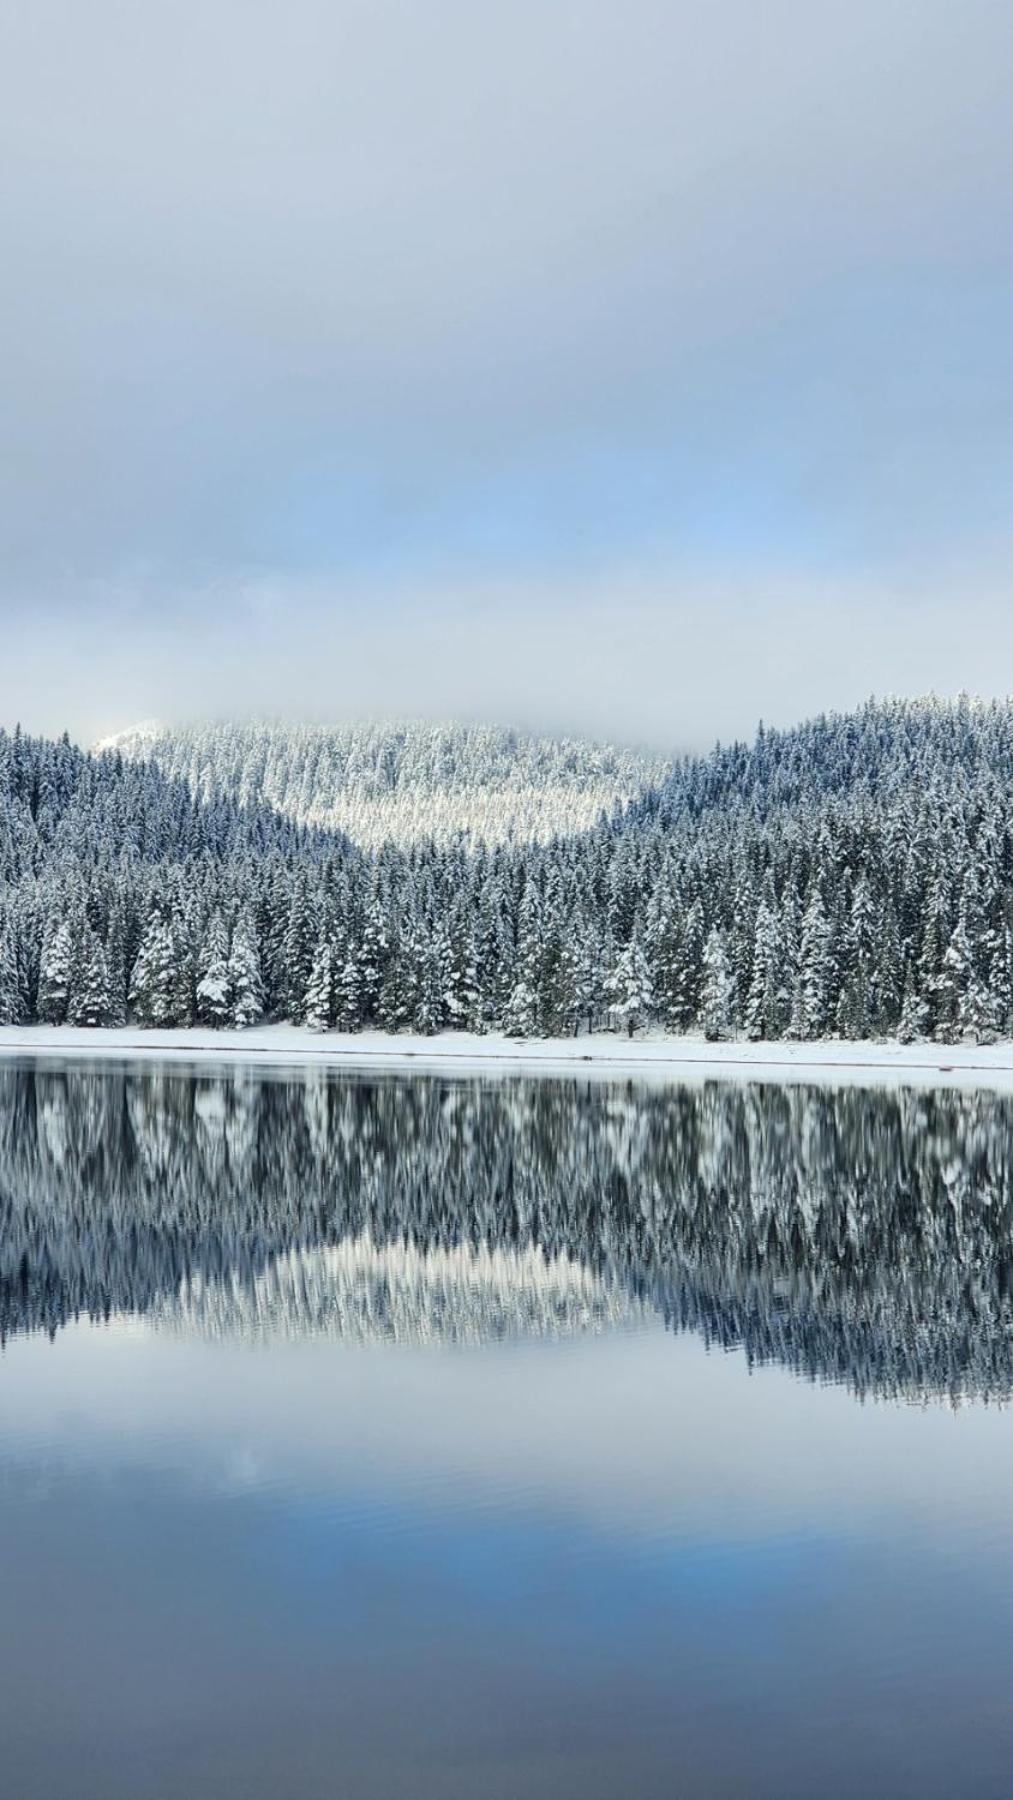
[641, 369]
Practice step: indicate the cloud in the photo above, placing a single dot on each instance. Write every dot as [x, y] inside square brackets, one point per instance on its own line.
[662, 656]
[373, 298]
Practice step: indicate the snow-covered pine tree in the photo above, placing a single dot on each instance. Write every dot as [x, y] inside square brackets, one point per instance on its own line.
[394, 1006]
[429, 1014]
[630, 987]
[816, 977]
[214, 987]
[765, 1001]
[320, 1004]
[299, 941]
[348, 1003]
[246, 982]
[521, 1017]
[92, 1002]
[687, 970]
[718, 992]
[372, 958]
[11, 1006]
[56, 974]
[154, 983]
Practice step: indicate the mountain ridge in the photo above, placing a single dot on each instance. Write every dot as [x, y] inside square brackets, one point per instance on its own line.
[849, 877]
[401, 781]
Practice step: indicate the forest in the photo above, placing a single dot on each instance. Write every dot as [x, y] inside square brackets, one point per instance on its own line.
[849, 877]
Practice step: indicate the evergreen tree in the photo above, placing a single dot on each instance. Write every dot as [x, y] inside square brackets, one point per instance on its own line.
[320, 1003]
[246, 983]
[811, 1012]
[93, 1002]
[11, 1009]
[348, 989]
[717, 997]
[688, 971]
[214, 987]
[630, 988]
[154, 983]
[56, 975]
[766, 999]
[521, 1017]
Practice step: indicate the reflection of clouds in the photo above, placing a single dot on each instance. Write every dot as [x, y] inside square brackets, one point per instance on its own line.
[631, 1432]
[359, 1292]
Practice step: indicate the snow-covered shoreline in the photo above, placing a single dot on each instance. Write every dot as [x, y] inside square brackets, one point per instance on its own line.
[671, 1059]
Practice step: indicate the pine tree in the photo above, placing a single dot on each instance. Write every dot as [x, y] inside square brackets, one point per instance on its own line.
[298, 945]
[577, 982]
[688, 971]
[765, 1001]
[664, 940]
[953, 982]
[630, 988]
[214, 990]
[811, 1011]
[92, 1002]
[319, 1006]
[521, 1016]
[855, 1004]
[914, 1012]
[154, 983]
[935, 983]
[372, 960]
[976, 1013]
[429, 1014]
[394, 1007]
[56, 975]
[348, 989]
[717, 996]
[246, 984]
[11, 1008]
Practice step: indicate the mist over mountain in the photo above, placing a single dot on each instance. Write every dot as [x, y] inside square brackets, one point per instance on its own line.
[398, 783]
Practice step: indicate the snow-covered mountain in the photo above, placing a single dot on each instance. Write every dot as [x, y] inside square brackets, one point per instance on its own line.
[852, 877]
[399, 783]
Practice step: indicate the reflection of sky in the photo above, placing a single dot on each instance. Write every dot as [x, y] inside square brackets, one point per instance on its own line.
[634, 1433]
[609, 1566]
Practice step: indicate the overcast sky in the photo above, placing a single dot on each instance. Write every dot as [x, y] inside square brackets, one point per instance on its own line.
[642, 366]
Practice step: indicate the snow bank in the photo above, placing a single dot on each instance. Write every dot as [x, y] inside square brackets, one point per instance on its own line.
[675, 1059]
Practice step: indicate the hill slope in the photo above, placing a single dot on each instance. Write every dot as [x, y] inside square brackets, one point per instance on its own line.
[852, 877]
[399, 783]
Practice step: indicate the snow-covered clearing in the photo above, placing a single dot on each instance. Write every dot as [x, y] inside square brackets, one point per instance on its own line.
[673, 1059]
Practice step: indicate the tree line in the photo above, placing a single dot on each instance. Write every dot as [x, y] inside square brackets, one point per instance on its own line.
[851, 877]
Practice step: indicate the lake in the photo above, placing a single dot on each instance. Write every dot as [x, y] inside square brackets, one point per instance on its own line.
[426, 1439]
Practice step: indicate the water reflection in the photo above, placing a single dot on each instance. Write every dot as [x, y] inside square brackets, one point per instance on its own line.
[855, 1236]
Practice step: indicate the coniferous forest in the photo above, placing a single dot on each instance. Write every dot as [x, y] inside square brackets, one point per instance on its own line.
[850, 877]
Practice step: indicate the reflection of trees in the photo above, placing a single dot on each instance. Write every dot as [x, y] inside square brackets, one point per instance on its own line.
[865, 1237]
[365, 1293]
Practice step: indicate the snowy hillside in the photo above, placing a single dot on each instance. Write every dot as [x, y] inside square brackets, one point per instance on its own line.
[398, 783]
[850, 878]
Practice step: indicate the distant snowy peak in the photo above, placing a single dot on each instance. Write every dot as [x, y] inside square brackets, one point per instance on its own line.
[134, 741]
[400, 783]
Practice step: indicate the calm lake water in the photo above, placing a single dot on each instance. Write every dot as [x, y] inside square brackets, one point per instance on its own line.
[485, 1440]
